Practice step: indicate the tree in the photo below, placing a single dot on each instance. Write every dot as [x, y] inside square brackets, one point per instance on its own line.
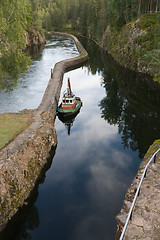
[14, 18]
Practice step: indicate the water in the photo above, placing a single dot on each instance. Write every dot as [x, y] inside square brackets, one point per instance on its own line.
[84, 188]
[31, 86]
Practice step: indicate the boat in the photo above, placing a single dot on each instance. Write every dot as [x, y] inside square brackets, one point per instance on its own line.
[70, 104]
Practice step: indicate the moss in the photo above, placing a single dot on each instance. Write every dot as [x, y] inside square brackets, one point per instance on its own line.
[152, 149]
[148, 21]
[137, 42]
[156, 77]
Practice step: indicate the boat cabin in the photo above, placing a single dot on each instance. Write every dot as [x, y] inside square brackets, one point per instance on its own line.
[68, 100]
[70, 103]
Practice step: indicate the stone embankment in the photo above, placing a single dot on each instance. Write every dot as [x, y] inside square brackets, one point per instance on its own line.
[22, 161]
[145, 221]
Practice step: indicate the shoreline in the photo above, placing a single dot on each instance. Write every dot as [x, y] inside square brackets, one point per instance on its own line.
[145, 213]
[22, 160]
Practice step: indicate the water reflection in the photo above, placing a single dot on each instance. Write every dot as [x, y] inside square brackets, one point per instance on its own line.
[28, 222]
[92, 169]
[35, 52]
[131, 101]
[68, 121]
[27, 219]
[28, 91]
[13, 63]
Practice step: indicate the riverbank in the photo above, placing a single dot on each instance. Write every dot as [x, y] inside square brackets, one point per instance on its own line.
[136, 45]
[145, 222]
[33, 37]
[22, 161]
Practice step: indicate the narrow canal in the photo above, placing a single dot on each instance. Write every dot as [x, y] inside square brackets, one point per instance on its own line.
[98, 152]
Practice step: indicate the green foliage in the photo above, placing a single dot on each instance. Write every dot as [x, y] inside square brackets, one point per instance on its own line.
[14, 20]
[88, 17]
[148, 21]
[14, 62]
[150, 41]
[157, 77]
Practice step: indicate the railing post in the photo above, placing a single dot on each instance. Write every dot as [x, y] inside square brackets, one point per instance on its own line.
[154, 158]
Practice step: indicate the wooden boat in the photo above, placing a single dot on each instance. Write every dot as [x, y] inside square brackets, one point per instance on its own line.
[70, 103]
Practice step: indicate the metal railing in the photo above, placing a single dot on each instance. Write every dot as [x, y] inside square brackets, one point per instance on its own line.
[129, 217]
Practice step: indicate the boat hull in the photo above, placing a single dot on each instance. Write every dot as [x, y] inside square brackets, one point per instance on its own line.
[69, 112]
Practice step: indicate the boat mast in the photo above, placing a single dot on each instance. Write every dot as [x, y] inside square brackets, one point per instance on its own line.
[69, 87]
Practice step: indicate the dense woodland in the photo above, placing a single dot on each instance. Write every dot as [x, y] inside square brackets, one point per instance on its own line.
[88, 17]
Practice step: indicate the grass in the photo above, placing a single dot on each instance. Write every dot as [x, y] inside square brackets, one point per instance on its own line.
[11, 124]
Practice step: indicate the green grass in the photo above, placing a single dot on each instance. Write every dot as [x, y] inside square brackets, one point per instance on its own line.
[11, 124]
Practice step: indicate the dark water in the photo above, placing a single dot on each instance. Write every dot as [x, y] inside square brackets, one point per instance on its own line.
[84, 188]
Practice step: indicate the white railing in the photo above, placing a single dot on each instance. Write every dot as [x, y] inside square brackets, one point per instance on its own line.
[137, 194]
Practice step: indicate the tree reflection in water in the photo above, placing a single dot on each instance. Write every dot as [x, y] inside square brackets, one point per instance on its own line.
[27, 218]
[131, 102]
[15, 66]
[24, 221]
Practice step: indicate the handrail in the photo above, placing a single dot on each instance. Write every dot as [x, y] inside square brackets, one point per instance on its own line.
[137, 194]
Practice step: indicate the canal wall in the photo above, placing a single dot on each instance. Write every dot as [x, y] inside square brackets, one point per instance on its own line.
[22, 160]
[145, 220]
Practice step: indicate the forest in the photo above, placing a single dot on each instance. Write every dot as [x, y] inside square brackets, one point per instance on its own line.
[87, 17]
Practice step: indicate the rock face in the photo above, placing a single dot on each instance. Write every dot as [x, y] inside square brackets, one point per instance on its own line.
[22, 161]
[34, 38]
[124, 44]
[135, 45]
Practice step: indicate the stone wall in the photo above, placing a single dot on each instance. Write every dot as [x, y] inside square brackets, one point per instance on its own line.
[145, 201]
[22, 161]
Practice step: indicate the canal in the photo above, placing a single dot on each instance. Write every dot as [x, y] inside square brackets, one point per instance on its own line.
[98, 152]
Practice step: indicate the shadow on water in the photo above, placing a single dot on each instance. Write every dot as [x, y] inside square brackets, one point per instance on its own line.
[68, 121]
[35, 52]
[131, 102]
[27, 217]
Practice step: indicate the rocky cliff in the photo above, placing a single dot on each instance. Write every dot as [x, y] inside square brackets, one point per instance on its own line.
[33, 38]
[136, 45]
